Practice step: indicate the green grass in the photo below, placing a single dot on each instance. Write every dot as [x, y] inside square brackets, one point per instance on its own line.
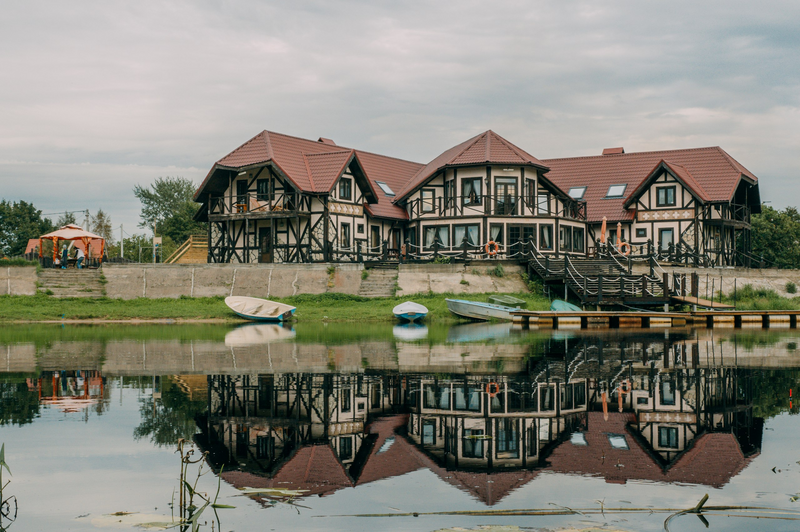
[16, 262]
[310, 308]
[749, 298]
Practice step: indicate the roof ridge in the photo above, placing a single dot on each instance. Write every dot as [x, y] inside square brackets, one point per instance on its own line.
[488, 153]
[696, 181]
[628, 153]
[474, 140]
[308, 171]
[300, 138]
[268, 142]
[346, 150]
[387, 156]
[730, 160]
[269, 148]
[518, 151]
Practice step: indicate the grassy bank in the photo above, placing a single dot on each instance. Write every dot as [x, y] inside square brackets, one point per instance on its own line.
[322, 307]
[749, 298]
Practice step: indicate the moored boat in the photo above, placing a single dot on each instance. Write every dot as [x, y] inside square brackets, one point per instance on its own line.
[253, 308]
[478, 310]
[562, 306]
[508, 301]
[410, 311]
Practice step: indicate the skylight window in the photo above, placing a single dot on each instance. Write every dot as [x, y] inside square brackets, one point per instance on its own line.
[578, 438]
[577, 192]
[616, 191]
[618, 441]
[386, 188]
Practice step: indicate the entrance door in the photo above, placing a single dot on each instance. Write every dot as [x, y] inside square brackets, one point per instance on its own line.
[394, 244]
[375, 238]
[265, 244]
[505, 189]
[241, 196]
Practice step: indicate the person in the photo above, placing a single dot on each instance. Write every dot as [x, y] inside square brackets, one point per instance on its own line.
[64, 257]
[79, 255]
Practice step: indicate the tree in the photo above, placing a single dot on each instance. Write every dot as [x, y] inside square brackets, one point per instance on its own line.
[66, 219]
[100, 224]
[19, 222]
[168, 420]
[168, 205]
[776, 236]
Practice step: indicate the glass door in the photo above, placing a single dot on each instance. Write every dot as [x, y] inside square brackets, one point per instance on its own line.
[505, 189]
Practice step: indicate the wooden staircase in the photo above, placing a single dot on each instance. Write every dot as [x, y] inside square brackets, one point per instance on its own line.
[72, 283]
[193, 251]
[381, 281]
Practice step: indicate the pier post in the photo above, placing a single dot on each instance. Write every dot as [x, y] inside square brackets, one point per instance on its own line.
[599, 288]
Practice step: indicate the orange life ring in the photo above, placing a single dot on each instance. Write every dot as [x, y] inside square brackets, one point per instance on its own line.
[496, 389]
[492, 250]
[627, 247]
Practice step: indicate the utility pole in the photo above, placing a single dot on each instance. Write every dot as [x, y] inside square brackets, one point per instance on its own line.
[121, 242]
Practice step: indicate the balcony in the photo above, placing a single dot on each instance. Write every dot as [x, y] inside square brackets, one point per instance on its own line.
[727, 214]
[255, 206]
[490, 205]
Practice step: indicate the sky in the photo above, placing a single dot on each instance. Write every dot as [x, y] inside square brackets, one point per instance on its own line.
[100, 95]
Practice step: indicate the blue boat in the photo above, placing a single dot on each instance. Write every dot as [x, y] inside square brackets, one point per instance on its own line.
[410, 311]
[253, 308]
[478, 310]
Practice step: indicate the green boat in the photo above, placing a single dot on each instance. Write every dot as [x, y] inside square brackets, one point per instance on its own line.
[508, 301]
[562, 306]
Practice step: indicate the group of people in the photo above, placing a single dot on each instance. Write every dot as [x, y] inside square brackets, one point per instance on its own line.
[78, 254]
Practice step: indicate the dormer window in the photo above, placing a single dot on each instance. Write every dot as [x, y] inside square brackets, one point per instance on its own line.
[577, 193]
[386, 188]
[665, 196]
[345, 189]
[616, 191]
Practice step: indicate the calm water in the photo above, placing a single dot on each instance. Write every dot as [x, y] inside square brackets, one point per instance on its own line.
[398, 420]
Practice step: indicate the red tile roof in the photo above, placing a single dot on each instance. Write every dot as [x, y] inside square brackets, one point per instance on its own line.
[713, 171]
[314, 166]
[488, 147]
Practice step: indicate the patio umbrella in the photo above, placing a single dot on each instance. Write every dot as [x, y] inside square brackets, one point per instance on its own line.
[603, 230]
[619, 235]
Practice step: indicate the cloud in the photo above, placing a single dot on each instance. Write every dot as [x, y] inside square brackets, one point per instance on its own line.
[179, 84]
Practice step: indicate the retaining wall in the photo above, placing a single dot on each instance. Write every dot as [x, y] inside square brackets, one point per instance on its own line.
[18, 280]
[710, 278]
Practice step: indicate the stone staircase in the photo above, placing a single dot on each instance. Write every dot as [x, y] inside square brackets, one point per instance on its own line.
[71, 283]
[381, 282]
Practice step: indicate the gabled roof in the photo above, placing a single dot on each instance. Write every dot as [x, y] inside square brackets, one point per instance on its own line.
[486, 148]
[713, 171]
[679, 172]
[315, 166]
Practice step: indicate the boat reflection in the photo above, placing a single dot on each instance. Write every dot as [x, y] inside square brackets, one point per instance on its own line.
[410, 332]
[258, 334]
[477, 332]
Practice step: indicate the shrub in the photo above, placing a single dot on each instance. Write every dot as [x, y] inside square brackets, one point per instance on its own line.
[364, 274]
[791, 288]
[464, 281]
[497, 271]
[441, 260]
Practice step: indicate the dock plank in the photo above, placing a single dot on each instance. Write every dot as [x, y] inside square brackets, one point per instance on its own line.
[691, 300]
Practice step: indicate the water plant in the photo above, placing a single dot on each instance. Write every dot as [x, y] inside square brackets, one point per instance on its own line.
[8, 505]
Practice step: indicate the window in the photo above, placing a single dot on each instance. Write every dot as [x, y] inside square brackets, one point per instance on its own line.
[665, 239]
[507, 438]
[345, 189]
[449, 194]
[345, 448]
[472, 446]
[469, 231]
[346, 400]
[667, 393]
[505, 189]
[665, 196]
[547, 395]
[360, 229]
[431, 232]
[578, 438]
[616, 191]
[618, 441]
[530, 192]
[565, 238]
[428, 432]
[262, 190]
[543, 203]
[668, 437]
[386, 188]
[471, 191]
[265, 446]
[546, 237]
[242, 440]
[577, 193]
[428, 199]
[533, 448]
[642, 400]
[496, 233]
[345, 240]
[641, 232]
[467, 398]
[577, 239]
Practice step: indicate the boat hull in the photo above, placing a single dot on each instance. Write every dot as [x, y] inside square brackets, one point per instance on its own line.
[261, 310]
[271, 319]
[477, 310]
[410, 311]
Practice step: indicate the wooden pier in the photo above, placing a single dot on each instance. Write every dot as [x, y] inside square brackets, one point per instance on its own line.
[758, 319]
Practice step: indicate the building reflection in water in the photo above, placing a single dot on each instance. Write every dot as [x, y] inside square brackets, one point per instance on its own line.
[623, 408]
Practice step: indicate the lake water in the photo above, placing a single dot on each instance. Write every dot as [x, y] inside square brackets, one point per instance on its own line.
[421, 428]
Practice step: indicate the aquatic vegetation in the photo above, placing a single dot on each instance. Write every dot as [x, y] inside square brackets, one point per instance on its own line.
[8, 505]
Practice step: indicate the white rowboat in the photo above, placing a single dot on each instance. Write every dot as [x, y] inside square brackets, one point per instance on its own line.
[253, 308]
[410, 311]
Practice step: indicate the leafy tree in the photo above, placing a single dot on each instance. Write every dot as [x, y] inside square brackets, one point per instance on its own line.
[18, 404]
[19, 222]
[100, 224]
[168, 205]
[66, 219]
[776, 236]
[170, 419]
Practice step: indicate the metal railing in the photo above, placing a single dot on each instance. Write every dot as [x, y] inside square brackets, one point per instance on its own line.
[278, 203]
[491, 205]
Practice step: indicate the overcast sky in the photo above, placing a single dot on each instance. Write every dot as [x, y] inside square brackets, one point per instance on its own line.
[100, 95]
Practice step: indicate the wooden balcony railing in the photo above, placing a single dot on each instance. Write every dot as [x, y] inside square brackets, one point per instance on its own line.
[491, 205]
[277, 203]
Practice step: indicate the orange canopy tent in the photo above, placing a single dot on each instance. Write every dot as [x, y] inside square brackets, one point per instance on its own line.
[94, 247]
[71, 232]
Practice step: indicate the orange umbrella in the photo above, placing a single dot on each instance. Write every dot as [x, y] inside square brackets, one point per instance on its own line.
[619, 235]
[603, 230]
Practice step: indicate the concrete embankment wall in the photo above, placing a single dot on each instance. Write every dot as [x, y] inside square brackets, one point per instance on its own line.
[281, 280]
[18, 280]
[710, 278]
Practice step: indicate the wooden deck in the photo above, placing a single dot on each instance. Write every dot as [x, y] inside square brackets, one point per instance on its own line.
[621, 320]
[705, 303]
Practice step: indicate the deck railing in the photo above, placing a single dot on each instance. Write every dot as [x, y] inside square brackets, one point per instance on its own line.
[277, 203]
[491, 205]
